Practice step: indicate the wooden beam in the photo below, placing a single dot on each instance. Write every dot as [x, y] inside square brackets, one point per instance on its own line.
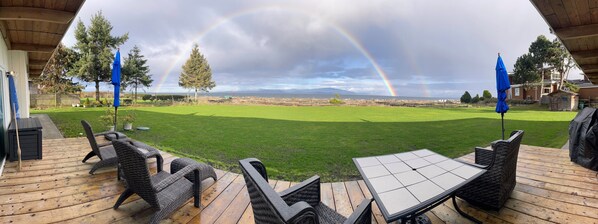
[38, 62]
[587, 54]
[574, 32]
[36, 66]
[35, 71]
[589, 68]
[33, 47]
[591, 75]
[4, 33]
[36, 14]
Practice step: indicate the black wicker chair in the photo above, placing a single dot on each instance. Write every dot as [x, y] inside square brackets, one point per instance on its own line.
[492, 189]
[106, 151]
[298, 204]
[164, 191]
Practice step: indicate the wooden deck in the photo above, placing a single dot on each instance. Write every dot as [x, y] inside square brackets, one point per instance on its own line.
[550, 189]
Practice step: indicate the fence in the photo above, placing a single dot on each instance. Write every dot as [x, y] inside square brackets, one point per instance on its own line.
[50, 100]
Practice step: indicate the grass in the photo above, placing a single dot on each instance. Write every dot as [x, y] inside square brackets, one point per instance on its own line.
[298, 142]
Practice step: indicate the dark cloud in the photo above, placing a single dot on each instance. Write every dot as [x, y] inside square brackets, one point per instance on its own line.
[425, 47]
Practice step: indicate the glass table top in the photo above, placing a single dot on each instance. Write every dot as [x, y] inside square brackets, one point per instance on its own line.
[405, 181]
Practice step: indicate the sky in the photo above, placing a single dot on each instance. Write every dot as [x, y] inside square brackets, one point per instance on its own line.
[419, 48]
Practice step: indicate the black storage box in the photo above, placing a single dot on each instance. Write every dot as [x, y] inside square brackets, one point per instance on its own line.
[30, 136]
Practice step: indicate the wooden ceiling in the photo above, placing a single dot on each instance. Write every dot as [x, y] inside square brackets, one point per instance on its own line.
[575, 22]
[36, 26]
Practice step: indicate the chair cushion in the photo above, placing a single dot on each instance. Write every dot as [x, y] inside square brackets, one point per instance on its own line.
[177, 193]
[328, 215]
[112, 136]
[107, 152]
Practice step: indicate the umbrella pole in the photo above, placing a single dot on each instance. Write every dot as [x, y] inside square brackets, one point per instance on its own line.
[18, 141]
[502, 119]
[116, 114]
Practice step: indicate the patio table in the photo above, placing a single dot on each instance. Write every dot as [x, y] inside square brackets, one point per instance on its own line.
[406, 185]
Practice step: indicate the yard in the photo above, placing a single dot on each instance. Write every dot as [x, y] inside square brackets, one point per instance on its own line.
[298, 142]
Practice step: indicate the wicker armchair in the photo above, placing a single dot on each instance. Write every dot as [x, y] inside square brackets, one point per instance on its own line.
[106, 151]
[492, 189]
[298, 204]
[165, 192]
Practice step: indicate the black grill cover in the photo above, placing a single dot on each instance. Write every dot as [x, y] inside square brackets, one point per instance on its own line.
[583, 138]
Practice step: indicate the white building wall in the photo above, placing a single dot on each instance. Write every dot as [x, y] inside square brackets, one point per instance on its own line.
[17, 62]
[4, 93]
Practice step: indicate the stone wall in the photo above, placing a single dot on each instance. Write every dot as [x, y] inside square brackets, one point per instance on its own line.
[47, 100]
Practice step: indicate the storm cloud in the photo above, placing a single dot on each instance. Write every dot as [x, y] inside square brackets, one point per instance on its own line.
[424, 47]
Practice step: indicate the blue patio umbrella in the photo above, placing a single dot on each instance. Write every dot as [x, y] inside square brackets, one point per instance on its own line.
[502, 85]
[14, 102]
[116, 82]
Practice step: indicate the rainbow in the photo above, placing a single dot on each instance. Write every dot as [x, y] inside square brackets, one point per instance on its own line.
[343, 32]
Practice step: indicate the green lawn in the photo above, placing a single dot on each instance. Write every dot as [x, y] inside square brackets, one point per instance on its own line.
[297, 142]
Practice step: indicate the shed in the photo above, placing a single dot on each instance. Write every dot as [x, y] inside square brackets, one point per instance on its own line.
[563, 100]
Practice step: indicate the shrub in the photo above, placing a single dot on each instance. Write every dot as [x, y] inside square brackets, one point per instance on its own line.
[147, 97]
[129, 116]
[170, 97]
[486, 95]
[86, 102]
[336, 100]
[108, 118]
[96, 103]
[475, 99]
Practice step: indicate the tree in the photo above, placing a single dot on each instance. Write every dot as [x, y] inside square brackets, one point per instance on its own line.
[525, 71]
[95, 44]
[541, 51]
[55, 78]
[486, 95]
[475, 99]
[196, 73]
[135, 71]
[562, 61]
[551, 55]
[466, 97]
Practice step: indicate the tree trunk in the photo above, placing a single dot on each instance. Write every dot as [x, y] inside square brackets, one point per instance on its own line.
[55, 98]
[97, 90]
[135, 101]
[195, 96]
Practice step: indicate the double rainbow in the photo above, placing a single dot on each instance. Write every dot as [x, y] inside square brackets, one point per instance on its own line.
[235, 15]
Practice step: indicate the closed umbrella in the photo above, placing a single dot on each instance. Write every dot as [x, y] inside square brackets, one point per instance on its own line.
[14, 104]
[116, 83]
[502, 85]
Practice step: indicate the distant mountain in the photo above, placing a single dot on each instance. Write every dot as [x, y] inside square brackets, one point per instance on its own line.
[331, 91]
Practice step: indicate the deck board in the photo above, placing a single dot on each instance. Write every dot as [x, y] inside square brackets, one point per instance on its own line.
[58, 188]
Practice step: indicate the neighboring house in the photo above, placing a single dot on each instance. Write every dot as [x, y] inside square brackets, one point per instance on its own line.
[534, 91]
[588, 93]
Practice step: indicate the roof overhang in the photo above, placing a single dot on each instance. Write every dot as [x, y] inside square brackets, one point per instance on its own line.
[36, 27]
[575, 23]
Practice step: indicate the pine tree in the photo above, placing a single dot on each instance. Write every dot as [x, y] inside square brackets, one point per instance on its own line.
[466, 97]
[196, 73]
[95, 44]
[135, 71]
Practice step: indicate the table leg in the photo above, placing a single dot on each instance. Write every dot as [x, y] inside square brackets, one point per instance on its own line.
[462, 212]
[420, 219]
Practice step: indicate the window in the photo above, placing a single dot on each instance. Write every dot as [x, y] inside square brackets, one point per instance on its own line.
[516, 91]
[546, 90]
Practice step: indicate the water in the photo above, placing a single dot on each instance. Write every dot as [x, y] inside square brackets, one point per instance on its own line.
[314, 96]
